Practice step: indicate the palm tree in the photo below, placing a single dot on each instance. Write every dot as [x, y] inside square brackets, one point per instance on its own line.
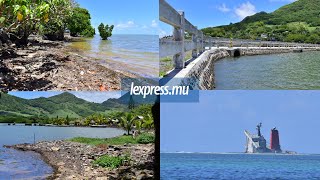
[138, 125]
[148, 122]
[127, 122]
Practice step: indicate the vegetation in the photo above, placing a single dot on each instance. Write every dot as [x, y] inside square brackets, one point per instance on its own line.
[21, 18]
[105, 31]
[67, 109]
[166, 64]
[127, 122]
[79, 23]
[143, 138]
[111, 161]
[146, 138]
[60, 11]
[296, 22]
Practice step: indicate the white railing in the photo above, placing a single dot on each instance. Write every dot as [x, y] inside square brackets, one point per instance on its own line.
[177, 45]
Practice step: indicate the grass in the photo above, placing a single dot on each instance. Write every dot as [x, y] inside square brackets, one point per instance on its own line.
[144, 138]
[166, 63]
[111, 161]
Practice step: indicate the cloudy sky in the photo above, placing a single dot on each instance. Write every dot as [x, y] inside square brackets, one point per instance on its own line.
[128, 16]
[205, 13]
[218, 121]
[97, 97]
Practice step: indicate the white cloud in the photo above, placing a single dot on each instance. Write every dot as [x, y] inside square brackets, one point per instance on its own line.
[154, 24]
[223, 8]
[163, 33]
[126, 25]
[245, 9]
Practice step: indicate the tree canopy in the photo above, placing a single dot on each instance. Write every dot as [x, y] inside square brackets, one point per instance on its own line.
[105, 31]
[79, 23]
[21, 18]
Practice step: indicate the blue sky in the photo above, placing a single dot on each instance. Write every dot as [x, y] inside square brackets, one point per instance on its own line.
[217, 122]
[208, 13]
[128, 16]
[97, 97]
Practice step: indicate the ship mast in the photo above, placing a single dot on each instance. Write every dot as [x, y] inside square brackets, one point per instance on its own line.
[258, 128]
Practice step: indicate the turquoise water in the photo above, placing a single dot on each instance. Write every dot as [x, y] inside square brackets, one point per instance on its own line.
[28, 165]
[239, 166]
[276, 71]
[137, 54]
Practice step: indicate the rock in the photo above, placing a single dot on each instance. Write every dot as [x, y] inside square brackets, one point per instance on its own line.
[60, 164]
[20, 69]
[70, 160]
[55, 148]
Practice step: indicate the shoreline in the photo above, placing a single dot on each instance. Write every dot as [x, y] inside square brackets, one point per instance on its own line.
[199, 73]
[62, 126]
[71, 160]
[52, 65]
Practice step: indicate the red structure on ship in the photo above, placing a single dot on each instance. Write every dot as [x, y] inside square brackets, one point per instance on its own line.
[275, 141]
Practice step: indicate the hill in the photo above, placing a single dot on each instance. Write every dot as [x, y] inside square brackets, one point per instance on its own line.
[61, 105]
[295, 22]
[15, 109]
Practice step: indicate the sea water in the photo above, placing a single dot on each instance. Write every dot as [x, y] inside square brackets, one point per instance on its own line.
[239, 166]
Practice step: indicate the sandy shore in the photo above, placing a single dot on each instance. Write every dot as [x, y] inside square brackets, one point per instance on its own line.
[72, 160]
[48, 65]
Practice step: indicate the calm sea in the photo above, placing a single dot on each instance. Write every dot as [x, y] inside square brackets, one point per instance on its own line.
[28, 165]
[137, 54]
[239, 166]
[276, 71]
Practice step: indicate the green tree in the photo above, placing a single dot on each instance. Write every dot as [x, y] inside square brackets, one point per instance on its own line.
[127, 122]
[79, 23]
[148, 122]
[20, 18]
[105, 31]
[138, 125]
[59, 13]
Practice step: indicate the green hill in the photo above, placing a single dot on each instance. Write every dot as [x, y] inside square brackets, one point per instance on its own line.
[61, 105]
[295, 22]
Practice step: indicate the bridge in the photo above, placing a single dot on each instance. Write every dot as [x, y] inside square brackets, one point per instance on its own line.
[198, 71]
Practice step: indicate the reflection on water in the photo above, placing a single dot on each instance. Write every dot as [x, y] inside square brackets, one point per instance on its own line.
[276, 71]
[17, 164]
[137, 54]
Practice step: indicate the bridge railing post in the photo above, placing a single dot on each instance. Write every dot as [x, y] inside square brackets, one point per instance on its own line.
[202, 44]
[195, 43]
[178, 35]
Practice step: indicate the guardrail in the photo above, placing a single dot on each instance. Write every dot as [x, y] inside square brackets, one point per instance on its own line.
[178, 45]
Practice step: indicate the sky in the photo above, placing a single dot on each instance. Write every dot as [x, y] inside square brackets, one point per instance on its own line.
[210, 13]
[218, 121]
[128, 16]
[96, 97]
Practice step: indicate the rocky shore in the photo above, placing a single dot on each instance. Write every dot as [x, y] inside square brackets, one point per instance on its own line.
[50, 65]
[72, 160]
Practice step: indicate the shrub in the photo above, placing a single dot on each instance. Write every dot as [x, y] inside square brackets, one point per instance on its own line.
[146, 138]
[111, 161]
